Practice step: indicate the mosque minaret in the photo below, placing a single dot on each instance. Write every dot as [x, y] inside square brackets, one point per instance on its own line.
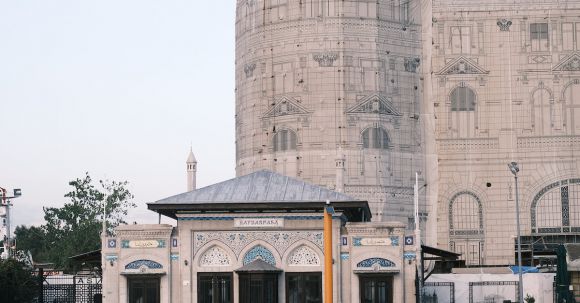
[191, 171]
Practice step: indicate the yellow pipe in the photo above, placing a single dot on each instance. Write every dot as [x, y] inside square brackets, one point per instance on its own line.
[327, 256]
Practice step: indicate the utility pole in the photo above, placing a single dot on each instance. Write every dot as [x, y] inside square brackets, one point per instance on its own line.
[418, 239]
[514, 168]
[6, 203]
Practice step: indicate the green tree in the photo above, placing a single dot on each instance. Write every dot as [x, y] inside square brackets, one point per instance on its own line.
[17, 282]
[75, 227]
[31, 239]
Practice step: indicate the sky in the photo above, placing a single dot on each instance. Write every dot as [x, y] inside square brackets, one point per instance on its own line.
[118, 89]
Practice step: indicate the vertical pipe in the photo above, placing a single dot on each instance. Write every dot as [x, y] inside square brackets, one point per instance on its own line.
[6, 203]
[328, 253]
[104, 227]
[419, 256]
[8, 238]
[521, 288]
[339, 270]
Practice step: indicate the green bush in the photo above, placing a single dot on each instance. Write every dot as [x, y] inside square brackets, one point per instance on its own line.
[529, 299]
[17, 282]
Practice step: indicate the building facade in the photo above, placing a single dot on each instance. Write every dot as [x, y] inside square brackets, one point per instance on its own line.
[505, 87]
[258, 238]
[328, 91]
[357, 96]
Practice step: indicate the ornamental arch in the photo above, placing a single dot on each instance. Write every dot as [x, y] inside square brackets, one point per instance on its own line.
[556, 208]
[466, 231]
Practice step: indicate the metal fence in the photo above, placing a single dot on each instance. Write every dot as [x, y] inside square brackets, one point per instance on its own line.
[60, 288]
[493, 291]
[439, 292]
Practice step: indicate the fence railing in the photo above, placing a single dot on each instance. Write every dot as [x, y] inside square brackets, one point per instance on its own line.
[56, 287]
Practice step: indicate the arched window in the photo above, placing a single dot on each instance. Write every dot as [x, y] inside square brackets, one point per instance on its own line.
[462, 99]
[571, 98]
[466, 227]
[284, 139]
[375, 137]
[556, 208]
[465, 214]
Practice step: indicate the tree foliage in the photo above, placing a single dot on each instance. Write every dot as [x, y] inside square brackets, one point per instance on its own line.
[17, 282]
[32, 238]
[75, 227]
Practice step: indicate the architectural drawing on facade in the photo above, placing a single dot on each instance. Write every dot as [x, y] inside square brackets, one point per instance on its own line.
[359, 95]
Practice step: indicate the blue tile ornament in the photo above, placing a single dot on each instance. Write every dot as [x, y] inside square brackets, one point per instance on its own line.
[259, 252]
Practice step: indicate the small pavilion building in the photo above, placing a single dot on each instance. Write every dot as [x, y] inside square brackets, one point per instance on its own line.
[258, 238]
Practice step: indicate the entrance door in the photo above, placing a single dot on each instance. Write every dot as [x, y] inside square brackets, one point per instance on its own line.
[214, 288]
[304, 287]
[258, 287]
[376, 289]
[144, 290]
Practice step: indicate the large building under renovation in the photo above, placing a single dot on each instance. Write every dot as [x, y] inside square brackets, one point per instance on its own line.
[360, 95]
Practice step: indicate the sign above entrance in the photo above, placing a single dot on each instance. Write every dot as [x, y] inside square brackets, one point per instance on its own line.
[391, 241]
[143, 244]
[259, 222]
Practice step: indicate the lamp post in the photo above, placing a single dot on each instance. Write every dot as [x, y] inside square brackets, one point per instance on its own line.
[513, 166]
[418, 238]
[6, 203]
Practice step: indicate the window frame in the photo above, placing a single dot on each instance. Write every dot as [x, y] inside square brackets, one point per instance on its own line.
[303, 282]
[542, 37]
[245, 286]
[202, 276]
[374, 137]
[464, 34]
[470, 232]
[463, 105]
[569, 209]
[284, 140]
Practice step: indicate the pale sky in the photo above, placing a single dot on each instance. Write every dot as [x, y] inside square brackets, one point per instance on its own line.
[116, 88]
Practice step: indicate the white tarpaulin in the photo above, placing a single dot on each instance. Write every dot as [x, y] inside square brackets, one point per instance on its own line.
[488, 288]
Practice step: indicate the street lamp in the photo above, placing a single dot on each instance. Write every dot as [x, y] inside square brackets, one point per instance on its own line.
[6, 203]
[513, 166]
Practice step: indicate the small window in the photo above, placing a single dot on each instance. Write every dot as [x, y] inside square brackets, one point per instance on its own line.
[284, 139]
[568, 36]
[462, 99]
[460, 40]
[404, 11]
[539, 31]
[376, 138]
[539, 36]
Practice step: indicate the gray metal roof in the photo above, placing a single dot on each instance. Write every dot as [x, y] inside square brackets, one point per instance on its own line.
[260, 186]
[262, 191]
